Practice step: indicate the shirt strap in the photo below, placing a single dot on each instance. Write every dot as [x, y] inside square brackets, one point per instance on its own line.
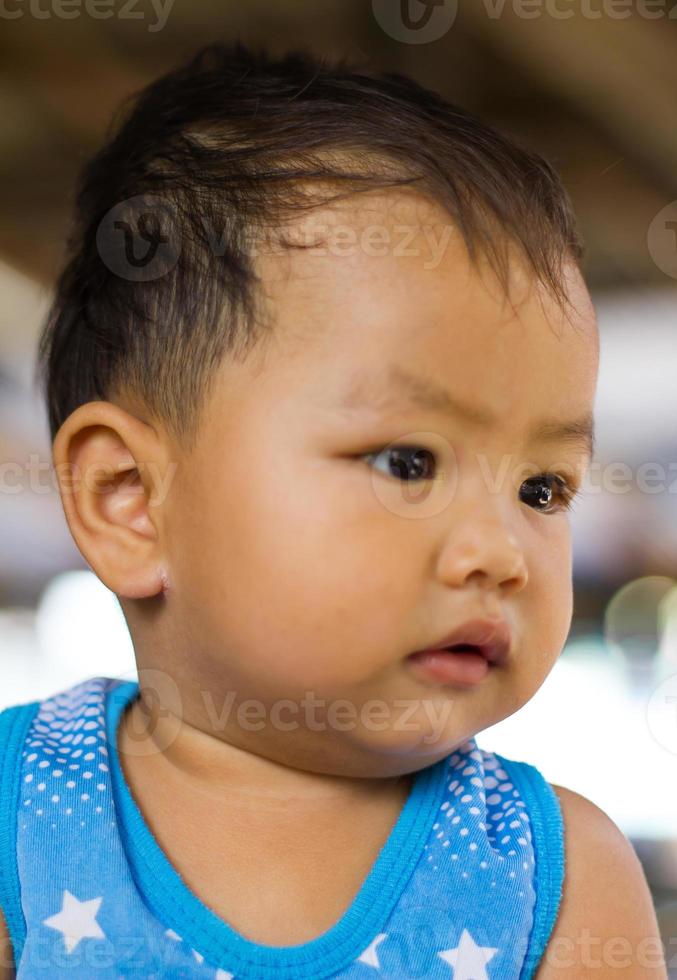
[14, 725]
[547, 828]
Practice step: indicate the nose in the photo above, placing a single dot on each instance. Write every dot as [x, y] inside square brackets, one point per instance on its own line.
[481, 547]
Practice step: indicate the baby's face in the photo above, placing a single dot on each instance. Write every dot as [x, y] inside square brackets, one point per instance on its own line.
[302, 566]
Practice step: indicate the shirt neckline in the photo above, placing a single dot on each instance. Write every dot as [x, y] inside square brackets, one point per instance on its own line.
[179, 908]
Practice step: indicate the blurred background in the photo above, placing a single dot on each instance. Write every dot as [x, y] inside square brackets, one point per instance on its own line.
[591, 84]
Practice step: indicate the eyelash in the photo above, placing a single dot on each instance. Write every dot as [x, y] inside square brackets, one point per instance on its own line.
[567, 493]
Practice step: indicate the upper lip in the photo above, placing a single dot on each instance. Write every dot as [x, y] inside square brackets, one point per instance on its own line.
[491, 636]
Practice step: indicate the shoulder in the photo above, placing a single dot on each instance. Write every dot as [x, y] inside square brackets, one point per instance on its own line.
[14, 721]
[6, 956]
[606, 925]
[7, 727]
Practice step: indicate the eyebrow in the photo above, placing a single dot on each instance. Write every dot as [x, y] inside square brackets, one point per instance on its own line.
[379, 393]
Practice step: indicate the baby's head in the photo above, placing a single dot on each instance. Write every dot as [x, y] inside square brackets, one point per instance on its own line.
[320, 372]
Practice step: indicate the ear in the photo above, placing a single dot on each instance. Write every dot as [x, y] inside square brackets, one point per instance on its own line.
[114, 475]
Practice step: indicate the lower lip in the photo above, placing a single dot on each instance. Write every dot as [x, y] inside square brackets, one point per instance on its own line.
[446, 667]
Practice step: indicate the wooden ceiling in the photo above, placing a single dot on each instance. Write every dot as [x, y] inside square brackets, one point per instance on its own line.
[596, 95]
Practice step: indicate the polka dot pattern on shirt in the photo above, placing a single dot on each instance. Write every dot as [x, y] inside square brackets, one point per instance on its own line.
[66, 755]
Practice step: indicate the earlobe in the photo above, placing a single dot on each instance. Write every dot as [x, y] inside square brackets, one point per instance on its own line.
[109, 464]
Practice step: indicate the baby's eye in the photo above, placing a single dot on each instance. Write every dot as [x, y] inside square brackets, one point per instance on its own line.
[546, 487]
[407, 463]
[416, 463]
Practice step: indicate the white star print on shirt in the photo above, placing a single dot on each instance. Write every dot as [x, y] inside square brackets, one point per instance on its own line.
[468, 959]
[370, 955]
[76, 920]
[219, 975]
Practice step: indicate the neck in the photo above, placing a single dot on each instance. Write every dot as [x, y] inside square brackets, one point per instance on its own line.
[214, 767]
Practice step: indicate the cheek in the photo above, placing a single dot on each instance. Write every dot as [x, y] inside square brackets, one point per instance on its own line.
[550, 593]
[291, 574]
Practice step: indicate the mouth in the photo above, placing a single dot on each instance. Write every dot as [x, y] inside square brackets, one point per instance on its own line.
[467, 655]
[490, 638]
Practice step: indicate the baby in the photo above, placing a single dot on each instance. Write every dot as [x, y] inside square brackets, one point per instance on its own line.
[320, 373]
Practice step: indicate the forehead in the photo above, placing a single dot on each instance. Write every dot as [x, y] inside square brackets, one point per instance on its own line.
[386, 279]
[400, 238]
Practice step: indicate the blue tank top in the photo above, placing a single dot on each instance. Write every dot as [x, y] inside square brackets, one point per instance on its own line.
[466, 887]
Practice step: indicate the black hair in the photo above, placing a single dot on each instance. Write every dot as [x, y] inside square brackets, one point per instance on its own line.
[227, 146]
